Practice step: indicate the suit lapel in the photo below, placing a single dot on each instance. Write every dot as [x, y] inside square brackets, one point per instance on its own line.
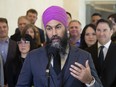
[12, 50]
[94, 52]
[9, 50]
[108, 55]
[72, 57]
[53, 76]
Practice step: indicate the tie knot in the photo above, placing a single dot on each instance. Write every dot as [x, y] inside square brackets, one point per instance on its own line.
[101, 47]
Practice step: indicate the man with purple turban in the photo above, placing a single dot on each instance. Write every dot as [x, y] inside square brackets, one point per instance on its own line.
[58, 64]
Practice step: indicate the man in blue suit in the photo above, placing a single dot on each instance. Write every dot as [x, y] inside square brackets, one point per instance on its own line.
[77, 68]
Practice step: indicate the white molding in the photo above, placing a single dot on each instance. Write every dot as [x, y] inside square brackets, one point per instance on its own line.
[104, 9]
[101, 5]
[100, 2]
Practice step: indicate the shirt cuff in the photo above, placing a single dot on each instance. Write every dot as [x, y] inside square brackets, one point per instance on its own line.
[92, 83]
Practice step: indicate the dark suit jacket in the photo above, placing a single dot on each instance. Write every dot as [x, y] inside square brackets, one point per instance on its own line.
[42, 36]
[16, 35]
[34, 69]
[12, 50]
[108, 76]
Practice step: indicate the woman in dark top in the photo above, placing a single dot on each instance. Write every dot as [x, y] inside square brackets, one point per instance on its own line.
[88, 36]
[25, 44]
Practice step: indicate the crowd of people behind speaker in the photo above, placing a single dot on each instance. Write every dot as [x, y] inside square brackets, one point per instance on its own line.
[32, 15]
[103, 34]
[9, 46]
[104, 59]
[29, 18]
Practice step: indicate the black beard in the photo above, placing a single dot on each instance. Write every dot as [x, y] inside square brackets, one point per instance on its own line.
[59, 46]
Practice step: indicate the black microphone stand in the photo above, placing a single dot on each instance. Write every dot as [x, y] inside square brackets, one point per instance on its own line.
[50, 57]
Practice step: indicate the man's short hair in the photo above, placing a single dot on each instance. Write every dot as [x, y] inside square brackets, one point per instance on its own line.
[96, 14]
[32, 11]
[109, 23]
[22, 17]
[69, 14]
[3, 20]
[74, 21]
[113, 16]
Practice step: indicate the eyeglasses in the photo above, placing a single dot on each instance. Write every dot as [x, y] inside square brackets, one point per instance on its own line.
[23, 42]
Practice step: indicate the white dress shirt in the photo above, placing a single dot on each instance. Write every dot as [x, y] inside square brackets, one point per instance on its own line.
[105, 49]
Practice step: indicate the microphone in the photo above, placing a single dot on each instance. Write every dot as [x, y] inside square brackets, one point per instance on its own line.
[51, 54]
[50, 57]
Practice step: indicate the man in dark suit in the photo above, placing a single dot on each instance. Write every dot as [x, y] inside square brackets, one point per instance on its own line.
[8, 47]
[105, 69]
[31, 15]
[22, 22]
[58, 64]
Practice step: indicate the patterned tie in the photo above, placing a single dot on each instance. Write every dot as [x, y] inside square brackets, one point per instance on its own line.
[57, 63]
[101, 57]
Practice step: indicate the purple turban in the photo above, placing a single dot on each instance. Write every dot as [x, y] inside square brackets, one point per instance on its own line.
[55, 13]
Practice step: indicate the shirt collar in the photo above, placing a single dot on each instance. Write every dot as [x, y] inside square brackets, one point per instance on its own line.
[106, 45]
[6, 40]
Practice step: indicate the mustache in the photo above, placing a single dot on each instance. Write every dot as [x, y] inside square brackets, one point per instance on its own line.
[55, 37]
[60, 45]
[56, 44]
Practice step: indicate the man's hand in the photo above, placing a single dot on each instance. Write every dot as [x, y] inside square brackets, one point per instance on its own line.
[82, 73]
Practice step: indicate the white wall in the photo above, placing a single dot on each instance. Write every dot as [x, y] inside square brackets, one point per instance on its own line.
[77, 9]
[12, 9]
